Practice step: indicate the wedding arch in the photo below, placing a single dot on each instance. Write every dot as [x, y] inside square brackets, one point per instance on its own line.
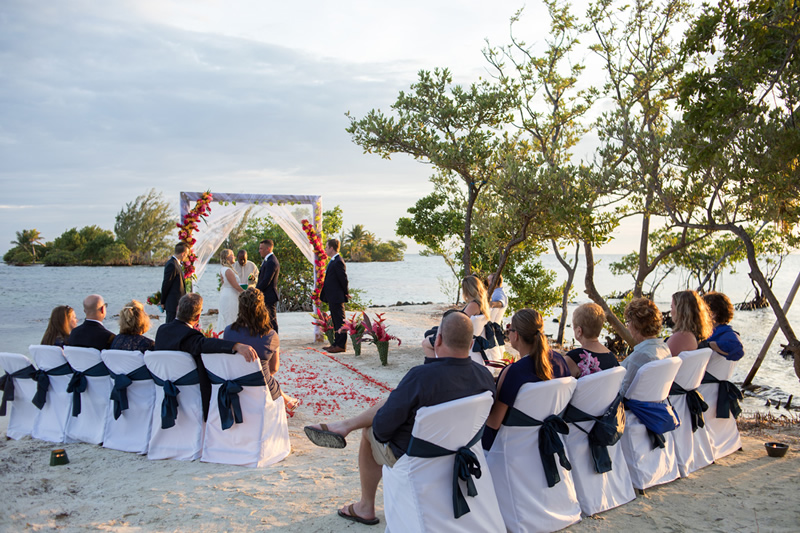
[228, 209]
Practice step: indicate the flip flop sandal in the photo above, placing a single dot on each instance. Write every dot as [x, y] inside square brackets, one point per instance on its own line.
[325, 438]
[355, 518]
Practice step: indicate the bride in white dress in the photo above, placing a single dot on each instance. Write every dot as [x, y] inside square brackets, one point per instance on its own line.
[229, 292]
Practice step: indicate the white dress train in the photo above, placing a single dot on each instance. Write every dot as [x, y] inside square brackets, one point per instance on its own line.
[228, 302]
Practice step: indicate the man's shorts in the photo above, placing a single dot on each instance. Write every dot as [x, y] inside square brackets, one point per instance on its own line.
[381, 452]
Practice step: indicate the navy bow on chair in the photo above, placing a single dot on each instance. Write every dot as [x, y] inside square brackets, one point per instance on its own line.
[42, 378]
[7, 384]
[169, 405]
[728, 397]
[230, 409]
[550, 444]
[78, 384]
[695, 402]
[465, 466]
[119, 393]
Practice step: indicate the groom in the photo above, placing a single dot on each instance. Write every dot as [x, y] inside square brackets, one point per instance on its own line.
[335, 293]
[268, 280]
[172, 288]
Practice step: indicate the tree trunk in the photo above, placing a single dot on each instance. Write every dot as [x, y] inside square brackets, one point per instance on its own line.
[591, 290]
[567, 286]
[644, 269]
[758, 277]
[467, 257]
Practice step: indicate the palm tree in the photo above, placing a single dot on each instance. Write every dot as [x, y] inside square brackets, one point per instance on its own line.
[27, 239]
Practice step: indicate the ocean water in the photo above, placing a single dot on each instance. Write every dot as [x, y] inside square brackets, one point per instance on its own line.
[28, 294]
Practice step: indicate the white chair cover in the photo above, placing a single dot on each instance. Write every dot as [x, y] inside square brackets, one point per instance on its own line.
[418, 492]
[597, 492]
[723, 433]
[497, 314]
[184, 440]
[526, 502]
[22, 412]
[692, 449]
[649, 467]
[131, 431]
[263, 436]
[51, 421]
[89, 426]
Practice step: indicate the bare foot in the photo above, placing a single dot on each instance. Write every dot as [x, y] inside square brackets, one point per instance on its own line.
[336, 427]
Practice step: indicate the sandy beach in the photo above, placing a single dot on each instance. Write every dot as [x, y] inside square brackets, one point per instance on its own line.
[107, 490]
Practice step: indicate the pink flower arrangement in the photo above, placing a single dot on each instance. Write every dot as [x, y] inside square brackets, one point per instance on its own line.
[588, 364]
[321, 258]
[376, 330]
[189, 225]
[209, 331]
[353, 327]
[322, 320]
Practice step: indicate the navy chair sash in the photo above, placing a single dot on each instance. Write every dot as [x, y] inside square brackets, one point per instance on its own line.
[169, 405]
[656, 418]
[695, 402]
[230, 409]
[7, 384]
[119, 392]
[600, 456]
[78, 383]
[42, 378]
[465, 466]
[550, 444]
[728, 397]
[493, 336]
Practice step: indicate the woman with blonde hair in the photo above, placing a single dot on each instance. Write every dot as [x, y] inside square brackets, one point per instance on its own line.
[229, 291]
[62, 321]
[537, 363]
[133, 324]
[474, 294]
[252, 327]
[587, 323]
[692, 322]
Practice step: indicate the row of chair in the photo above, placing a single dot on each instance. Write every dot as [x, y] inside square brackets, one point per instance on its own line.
[146, 403]
[535, 477]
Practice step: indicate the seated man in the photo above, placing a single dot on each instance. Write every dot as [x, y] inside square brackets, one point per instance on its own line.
[449, 375]
[92, 333]
[181, 335]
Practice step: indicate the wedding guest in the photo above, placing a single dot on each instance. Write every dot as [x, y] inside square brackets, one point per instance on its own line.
[133, 324]
[336, 292]
[537, 363]
[474, 294]
[268, 279]
[723, 339]
[62, 321]
[692, 322]
[587, 323]
[92, 333]
[245, 270]
[386, 427]
[252, 328]
[173, 286]
[181, 335]
[643, 319]
[499, 300]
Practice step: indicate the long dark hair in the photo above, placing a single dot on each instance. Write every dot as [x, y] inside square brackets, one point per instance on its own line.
[253, 314]
[529, 326]
[58, 327]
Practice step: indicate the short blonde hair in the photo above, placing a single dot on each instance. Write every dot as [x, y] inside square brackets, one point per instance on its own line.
[133, 320]
[591, 318]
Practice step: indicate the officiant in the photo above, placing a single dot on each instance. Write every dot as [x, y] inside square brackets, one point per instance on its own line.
[245, 270]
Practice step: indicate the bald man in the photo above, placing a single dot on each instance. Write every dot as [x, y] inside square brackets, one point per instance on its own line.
[92, 333]
[448, 375]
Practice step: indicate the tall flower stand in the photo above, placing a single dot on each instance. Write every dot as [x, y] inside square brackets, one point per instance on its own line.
[383, 351]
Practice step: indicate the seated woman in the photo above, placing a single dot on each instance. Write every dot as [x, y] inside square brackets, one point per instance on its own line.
[587, 323]
[643, 319]
[723, 339]
[133, 324]
[474, 294]
[692, 322]
[62, 321]
[537, 363]
[252, 328]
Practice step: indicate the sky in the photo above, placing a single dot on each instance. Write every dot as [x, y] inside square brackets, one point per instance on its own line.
[102, 101]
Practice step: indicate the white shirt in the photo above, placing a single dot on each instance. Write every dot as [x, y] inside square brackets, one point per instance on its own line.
[243, 272]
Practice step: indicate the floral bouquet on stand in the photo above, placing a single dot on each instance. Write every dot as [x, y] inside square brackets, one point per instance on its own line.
[324, 322]
[355, 328]
[209, 332]
[378, 336]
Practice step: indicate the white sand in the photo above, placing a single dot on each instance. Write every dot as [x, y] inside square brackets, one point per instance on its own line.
[115, 491]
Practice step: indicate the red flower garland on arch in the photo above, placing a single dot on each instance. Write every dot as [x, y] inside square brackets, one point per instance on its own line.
[321, 259]
[189, 225]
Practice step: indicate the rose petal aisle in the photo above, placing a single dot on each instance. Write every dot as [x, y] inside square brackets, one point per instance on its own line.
[314, 377]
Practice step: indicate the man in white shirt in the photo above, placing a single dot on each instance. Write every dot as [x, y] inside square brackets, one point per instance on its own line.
[245, 270]
[499, 299]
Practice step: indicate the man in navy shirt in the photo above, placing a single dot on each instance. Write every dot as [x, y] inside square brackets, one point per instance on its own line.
[449, 375]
